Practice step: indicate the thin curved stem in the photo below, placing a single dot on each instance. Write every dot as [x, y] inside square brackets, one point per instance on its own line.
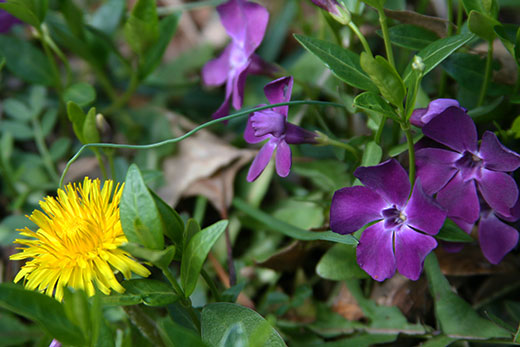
[189, 133]
[361, 38]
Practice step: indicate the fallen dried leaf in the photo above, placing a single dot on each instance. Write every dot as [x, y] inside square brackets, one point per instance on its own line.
[346, 305]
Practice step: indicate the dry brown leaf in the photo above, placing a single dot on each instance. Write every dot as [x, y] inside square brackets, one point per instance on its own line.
[470, 261]
[409, 296]
[199, 157]
[346, 305]
[288, 258]
[219, 187]
[435, 24]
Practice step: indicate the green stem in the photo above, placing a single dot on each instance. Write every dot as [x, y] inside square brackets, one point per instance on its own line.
[487, 74]
[166, 10]
[460, 11]
[211, 285]
[411, 153]
[386, 36]
[169, 276]
[121, 101]
[200, 209]
[101, 164]
[379, 133]
[327, 141]
[105, 83]
[42, 148]
[361, 38]
[191, 132]
[54, 66]
[185, 302]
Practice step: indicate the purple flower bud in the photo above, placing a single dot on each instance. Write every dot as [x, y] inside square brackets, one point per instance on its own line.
[55, 343]
[337, 10]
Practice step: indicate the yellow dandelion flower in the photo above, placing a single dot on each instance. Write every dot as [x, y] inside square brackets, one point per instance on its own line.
[77, 242]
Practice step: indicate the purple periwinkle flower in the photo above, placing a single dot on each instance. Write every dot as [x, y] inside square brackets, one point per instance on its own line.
[245, 22]
[55, 343]
[421, 116]
[7, 20]
[401, 237]
[271, 124]
[337, 10]
[456, 174]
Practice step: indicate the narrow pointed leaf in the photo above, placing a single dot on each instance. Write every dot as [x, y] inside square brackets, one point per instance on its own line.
[343, 63]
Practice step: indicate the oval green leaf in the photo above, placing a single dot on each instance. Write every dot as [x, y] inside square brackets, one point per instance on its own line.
[140, 218]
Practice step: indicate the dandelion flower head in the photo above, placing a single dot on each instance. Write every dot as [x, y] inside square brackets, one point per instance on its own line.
[76, 244]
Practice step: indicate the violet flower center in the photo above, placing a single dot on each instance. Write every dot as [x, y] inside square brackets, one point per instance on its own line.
[268, 122]
[393, 217]
[469, 165]
[237, 57]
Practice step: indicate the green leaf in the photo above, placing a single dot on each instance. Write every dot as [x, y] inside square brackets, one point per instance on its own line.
[411, 36]
[377, 4]
[25, 61]
[160, 258]
[339, 263]
[74, 18]
[329, 175]
[456, 317]
[290, 230]
[468, 70]
[42, 309]
[235, 336]
[37, 99]
[343, 63]
[482, 25]
[49, 119]
[19, 130]
[192, 228]
[142, 27]
[90, 131]
[437, 51]
[17, 110]
[80, 93]
[147, 291]
[153, 56]
[372, 154]
[59, 148]
[452, 233]
[172, 333]
[218, 317]
[140, 217]
[195, 254]
[173, 226]
[515, 127]
[77, 310]
[15, 333]
[385, 78]
[489, 7]
[507, 34]
[77, 117]
[6, 143]
[108, 16]
[31, 12]
[374, 103]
